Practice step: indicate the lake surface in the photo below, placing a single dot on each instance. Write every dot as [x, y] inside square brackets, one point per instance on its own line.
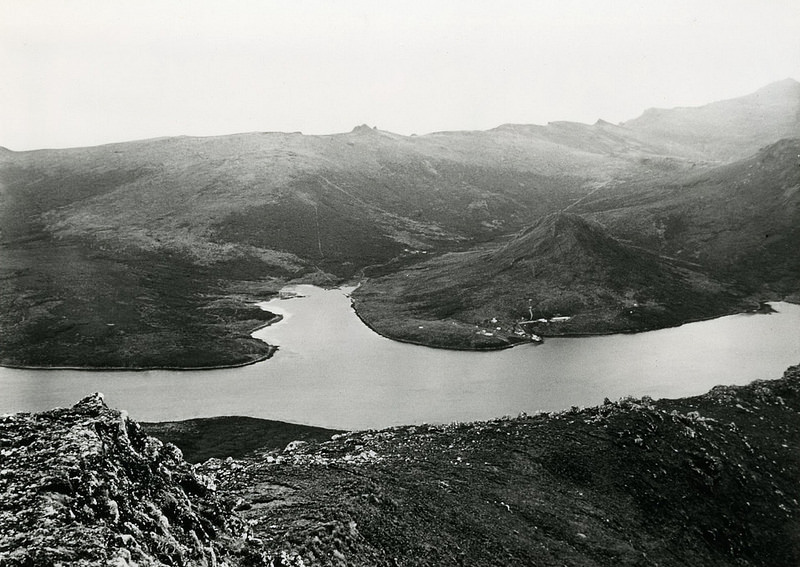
[331, 370]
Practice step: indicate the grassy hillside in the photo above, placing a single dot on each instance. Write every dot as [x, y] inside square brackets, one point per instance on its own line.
[563, 266]
[741, 219]
[72, 302]
[115, 256]
[121, 255]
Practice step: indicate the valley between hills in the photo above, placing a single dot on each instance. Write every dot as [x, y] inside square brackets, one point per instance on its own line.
[151, 254]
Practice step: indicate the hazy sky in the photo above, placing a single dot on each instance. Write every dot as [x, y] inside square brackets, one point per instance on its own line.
[90, 72]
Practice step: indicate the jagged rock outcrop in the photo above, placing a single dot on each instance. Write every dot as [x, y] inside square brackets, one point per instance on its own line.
[85, 486]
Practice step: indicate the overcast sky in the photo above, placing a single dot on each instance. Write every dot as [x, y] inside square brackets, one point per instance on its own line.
[81, 73]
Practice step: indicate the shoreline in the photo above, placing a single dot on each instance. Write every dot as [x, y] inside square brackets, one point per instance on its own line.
[764, 308]
[271, 350]
[593, 468]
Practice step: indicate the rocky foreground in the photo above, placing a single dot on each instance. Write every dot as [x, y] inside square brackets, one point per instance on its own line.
[709, 480]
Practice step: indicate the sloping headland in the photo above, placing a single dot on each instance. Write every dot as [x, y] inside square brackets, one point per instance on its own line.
[707, 480]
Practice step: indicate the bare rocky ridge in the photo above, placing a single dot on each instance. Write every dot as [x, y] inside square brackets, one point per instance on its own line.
[85, 486]
[708, 480]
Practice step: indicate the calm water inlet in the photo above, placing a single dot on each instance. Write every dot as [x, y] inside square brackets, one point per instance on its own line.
[331, 370]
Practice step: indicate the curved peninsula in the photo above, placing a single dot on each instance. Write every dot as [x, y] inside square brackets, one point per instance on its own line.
[563, 276]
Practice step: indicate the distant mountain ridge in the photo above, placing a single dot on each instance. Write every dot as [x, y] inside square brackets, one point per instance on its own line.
[185, 225]
[730, 128]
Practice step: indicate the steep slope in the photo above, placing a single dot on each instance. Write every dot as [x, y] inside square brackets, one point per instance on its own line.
[725, 130]
[563, 266]
[285, 200]
[741, 220]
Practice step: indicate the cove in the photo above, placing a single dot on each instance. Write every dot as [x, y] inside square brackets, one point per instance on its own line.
[333, 371]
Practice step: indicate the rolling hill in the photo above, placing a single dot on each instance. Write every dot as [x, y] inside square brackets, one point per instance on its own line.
[149, 253]
[564, 275]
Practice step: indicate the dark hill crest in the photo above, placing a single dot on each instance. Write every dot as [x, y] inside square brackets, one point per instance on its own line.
[563, 266]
